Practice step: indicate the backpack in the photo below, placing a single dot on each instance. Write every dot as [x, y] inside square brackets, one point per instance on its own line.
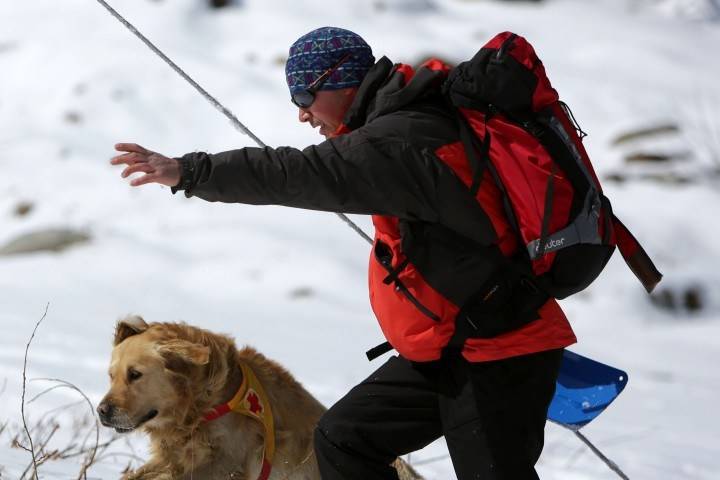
[513, 124]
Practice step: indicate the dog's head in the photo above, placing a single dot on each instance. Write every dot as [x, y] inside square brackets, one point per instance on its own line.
[153, 375]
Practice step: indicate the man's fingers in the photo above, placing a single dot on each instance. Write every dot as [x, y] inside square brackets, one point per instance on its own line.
[128, 158]
[131, 147]
[156, 167]
[138, 167]
[149, 178]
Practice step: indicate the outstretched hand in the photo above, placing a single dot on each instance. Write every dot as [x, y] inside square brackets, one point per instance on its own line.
[157, 167]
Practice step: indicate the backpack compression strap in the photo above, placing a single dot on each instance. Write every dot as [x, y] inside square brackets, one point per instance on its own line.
[584, 229]
[375, 352]
[636, 257]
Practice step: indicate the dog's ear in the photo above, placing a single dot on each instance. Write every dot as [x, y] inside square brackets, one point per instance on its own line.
[128, 326]
[189, 352]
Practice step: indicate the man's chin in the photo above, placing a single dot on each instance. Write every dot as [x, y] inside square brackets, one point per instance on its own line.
[328, 134]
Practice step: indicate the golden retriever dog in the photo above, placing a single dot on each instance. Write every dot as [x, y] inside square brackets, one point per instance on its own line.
[211, 411]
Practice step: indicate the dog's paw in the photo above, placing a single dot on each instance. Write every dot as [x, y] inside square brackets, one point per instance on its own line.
[146, 474]
[137, 475]
[405, 471]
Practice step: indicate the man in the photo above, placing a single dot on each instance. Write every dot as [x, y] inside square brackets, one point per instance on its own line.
[393, 150]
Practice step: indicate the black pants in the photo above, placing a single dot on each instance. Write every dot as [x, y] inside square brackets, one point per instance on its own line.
[492, 415]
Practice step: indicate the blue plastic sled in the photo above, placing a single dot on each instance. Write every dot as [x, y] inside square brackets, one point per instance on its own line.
[584, 389]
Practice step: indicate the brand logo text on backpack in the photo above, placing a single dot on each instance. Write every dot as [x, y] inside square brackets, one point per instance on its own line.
[554, 244]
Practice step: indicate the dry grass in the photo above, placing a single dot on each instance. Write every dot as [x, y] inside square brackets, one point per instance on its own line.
[62, 433]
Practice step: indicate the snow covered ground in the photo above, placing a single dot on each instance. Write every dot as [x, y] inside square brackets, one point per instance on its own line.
[292, 283]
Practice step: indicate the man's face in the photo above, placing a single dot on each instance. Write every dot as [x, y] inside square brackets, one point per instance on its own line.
[328, 110]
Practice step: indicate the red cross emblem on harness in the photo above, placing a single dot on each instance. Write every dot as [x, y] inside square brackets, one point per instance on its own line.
[255, 405]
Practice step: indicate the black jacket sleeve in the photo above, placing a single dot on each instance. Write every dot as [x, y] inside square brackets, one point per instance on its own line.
[366, 172]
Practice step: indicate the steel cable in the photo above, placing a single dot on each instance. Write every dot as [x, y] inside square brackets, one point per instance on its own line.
[233, 119]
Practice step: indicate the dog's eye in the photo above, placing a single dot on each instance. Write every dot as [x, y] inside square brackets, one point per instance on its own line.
[133, 374]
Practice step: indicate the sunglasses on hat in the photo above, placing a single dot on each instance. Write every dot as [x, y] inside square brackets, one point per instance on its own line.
[305, 97]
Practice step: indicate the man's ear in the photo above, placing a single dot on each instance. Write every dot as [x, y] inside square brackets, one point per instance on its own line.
[128, 326]
[189, 352]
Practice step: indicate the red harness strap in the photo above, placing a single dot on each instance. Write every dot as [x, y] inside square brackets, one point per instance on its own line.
[252, 401]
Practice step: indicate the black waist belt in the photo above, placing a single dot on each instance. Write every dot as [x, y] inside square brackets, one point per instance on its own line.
[502, 305]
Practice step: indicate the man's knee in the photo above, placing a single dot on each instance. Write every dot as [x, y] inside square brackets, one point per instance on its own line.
[334, 430]
[320, 438]
[339, 429]
[348, 448]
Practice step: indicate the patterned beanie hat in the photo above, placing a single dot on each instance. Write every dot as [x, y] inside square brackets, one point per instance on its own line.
[313, 53]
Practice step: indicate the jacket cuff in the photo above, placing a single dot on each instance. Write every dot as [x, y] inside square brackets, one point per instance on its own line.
[187, 176]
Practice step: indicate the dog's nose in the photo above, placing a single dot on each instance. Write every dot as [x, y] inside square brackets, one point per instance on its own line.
[105, 410]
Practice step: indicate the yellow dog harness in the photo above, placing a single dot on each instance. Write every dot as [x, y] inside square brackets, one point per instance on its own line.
[252, 401]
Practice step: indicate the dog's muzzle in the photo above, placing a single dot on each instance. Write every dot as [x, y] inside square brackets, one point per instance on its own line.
[107, 413]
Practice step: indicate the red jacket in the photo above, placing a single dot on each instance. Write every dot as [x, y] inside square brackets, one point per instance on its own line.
[399, 158]
[417, 337]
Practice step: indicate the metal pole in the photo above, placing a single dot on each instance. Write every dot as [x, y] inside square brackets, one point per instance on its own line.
[612, 465]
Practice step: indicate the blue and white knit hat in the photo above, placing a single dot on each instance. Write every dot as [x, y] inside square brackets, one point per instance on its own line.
[313, 53]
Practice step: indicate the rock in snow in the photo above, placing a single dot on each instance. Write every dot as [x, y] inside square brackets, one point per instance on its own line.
[52, 239]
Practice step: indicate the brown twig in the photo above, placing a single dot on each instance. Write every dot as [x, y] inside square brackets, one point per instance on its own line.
[45, 392]
[64, 455]
[91, 458]
[74, 448]
[22, 402]
[41, 456]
